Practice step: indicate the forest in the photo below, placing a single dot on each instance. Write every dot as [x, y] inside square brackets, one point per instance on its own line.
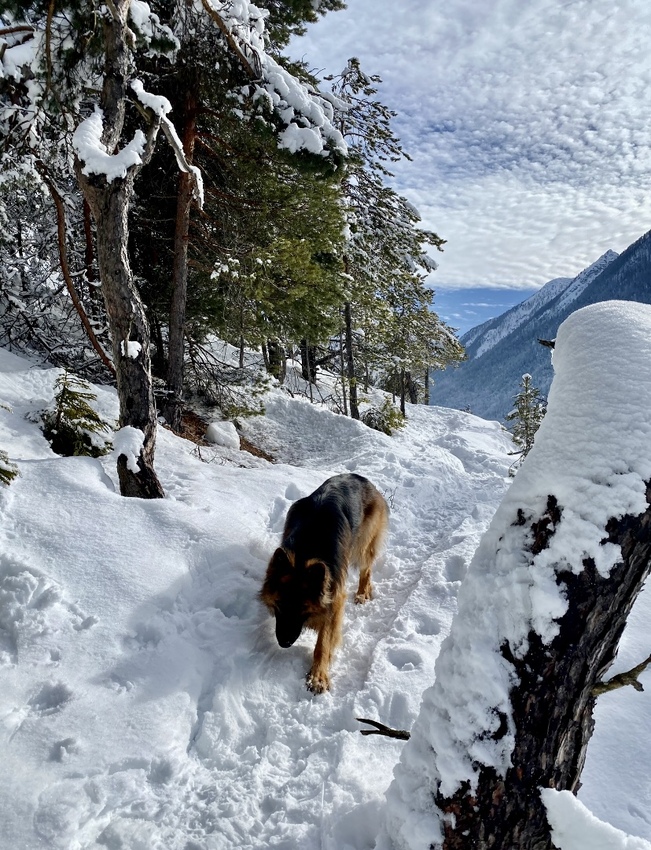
[169, 174]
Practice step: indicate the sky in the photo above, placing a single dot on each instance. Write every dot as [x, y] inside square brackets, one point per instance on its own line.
[528, 126]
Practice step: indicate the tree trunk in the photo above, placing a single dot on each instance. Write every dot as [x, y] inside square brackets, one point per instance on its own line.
[173, 405]
[426, 385]
[342, 373]
[308, 362]
[412, 388]
[402, 392]
[128, 325]
[350, 362]
[276, 359]
[554, 698]
[109, 204]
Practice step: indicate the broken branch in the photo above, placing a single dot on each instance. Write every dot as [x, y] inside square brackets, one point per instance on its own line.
[381, 729]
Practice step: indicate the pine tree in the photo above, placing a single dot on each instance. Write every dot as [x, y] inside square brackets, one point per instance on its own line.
[73, 427]
[386, 259]
[526, 417]
[8, 469]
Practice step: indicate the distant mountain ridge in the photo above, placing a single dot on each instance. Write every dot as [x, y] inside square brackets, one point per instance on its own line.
[501, 350]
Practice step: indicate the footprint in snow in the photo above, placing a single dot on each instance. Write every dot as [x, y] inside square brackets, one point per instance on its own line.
[404, 659]
[455, 568]
[50, 699]
[428, 625]
[292, 492]
[277, 515]
[62, 750]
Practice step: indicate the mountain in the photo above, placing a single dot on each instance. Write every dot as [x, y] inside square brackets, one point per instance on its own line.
[501, 350]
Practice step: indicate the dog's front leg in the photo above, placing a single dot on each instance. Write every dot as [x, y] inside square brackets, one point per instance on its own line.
[318, 679]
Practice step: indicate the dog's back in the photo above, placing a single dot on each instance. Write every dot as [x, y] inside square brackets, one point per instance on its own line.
[329, 524]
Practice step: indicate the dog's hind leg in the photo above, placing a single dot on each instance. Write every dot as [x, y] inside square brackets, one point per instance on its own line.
[365, 588]
[372, 535]
[318, 679]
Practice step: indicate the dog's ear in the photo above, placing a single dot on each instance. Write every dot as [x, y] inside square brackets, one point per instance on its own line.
[317, 581]
[280, 563]
[280, 567]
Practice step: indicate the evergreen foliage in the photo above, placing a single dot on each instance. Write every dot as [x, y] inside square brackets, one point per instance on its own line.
[72, 427]
[526, 417]
[292, 247]
[386, 259]
[8, 469]
[385, 418]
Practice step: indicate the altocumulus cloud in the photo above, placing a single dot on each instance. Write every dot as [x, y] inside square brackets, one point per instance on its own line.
[527, 121]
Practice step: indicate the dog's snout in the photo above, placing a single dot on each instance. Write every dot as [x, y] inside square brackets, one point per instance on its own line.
[287, 633]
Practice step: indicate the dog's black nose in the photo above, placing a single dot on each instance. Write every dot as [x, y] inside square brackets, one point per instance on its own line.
[288, 633]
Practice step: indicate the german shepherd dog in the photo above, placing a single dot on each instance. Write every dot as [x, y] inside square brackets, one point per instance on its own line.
[342, 522]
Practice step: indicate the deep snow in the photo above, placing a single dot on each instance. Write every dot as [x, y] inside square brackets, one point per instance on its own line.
[144, 701]
[593, 454]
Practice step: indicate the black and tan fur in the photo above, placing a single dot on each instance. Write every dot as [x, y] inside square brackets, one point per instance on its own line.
[341, 523]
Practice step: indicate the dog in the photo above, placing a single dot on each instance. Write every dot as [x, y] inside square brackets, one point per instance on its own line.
[343, 522]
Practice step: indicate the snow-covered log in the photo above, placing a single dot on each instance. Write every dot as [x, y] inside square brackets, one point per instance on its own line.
[542, 608]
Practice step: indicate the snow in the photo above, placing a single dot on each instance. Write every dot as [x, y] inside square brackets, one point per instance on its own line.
[223, 434]
[128, 441]
[575, 828]
[130, 348]
[157, 103]
[145, 702]
[592, 453]
[87, 142]
[161, 106]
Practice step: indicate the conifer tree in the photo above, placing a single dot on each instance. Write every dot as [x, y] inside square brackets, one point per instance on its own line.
[73, 427]
[386, 259]
[526, 416]
[8, 469]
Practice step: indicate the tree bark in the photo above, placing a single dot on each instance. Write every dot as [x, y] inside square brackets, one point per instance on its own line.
[109, 203]
[554, 699]
[173, 405]
[308, 362]
[412, 388]
[350, 362]
[276, 359]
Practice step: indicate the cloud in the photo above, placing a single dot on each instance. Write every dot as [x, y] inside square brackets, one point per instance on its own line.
[527, 123]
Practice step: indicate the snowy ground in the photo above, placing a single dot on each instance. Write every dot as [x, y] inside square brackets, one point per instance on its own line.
[145, 704]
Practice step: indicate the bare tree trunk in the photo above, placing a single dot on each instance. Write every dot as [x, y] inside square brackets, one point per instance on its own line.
[276, 359]
[426, 385]
[554, 698]
[342, 373]
[173, 405]
[350, 362]
[109, 203]
[411, 388]
[308, 361]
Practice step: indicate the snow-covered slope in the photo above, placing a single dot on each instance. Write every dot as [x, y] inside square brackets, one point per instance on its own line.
[145, 704]
[502, 350]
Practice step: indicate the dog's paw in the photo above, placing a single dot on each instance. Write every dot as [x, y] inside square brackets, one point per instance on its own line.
[317, 682]
[364, 596]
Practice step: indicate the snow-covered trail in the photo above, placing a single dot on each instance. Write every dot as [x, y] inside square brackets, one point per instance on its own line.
[146, 703]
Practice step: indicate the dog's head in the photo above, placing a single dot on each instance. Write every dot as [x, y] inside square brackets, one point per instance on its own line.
[294, 593]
